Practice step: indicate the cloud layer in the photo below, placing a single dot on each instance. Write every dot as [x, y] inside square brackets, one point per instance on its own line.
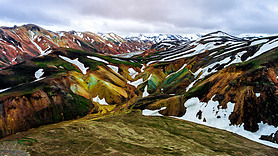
[145, 16]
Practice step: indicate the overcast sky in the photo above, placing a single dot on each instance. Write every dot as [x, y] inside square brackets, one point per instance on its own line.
[145, 16]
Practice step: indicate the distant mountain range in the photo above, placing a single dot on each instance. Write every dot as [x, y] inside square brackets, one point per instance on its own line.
[22, 43]
[218, 80]
[156, 38]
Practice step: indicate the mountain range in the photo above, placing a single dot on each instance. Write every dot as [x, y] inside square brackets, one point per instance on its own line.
[156, 38]
[18, 44]
[218, 80]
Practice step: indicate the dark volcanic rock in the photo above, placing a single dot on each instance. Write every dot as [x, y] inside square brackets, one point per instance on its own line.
[272, 137]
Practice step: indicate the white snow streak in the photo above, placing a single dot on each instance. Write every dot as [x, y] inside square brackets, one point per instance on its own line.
[77, 63]
[2, 90]
[145, 93]
[266, 47]
[97, 59]
[78, 43]
[114, 68]
[177, 71]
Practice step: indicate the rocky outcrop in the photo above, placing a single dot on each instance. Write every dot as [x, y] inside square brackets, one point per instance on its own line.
[272, 137]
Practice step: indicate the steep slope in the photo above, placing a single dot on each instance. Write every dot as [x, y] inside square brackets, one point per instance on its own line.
[222, 64]
[221, 71]
[218, 80]
[22, 43]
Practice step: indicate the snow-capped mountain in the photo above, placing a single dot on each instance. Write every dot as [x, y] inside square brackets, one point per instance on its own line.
[156, 38]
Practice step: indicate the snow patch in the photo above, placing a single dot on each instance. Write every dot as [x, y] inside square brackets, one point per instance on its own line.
[145, 93]
[114, 68]
[213, 115]
[219, 118]
[238, 57]
[132, 72]
[148, 112]
[46, 52]
[39, 73]
[110, 45]
[143, 68]
[39, 39]
[258, 42]
[151, 62]
[61, 34]
[129, 55]
[33, 37]
[136, 83]
[79, 34]
[77, 63]
[100, 101]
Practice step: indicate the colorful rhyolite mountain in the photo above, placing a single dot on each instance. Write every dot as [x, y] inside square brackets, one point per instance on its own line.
[218, 80]
[18, 44]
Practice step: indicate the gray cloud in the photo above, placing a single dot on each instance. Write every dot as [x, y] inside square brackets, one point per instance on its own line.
[169, 16]
[30, 11]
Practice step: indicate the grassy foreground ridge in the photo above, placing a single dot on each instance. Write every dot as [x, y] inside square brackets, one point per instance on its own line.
[134, 134]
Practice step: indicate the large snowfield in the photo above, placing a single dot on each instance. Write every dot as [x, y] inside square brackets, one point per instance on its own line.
[218, 118]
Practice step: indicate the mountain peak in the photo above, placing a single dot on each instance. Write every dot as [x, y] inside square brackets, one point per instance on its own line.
[32, 27]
